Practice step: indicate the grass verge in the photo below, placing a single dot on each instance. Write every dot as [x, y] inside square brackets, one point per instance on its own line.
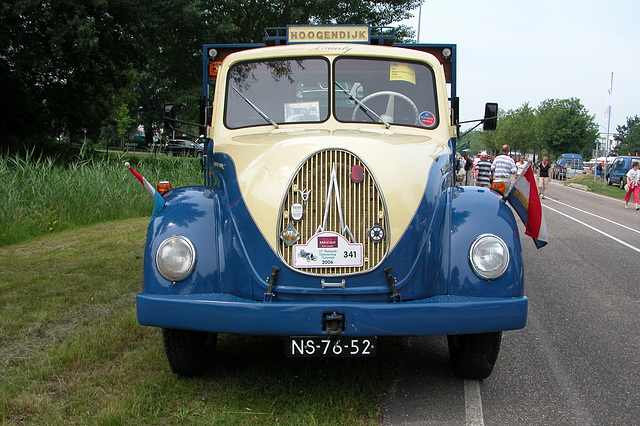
[41, 196]
[597, 187]
[72, 351]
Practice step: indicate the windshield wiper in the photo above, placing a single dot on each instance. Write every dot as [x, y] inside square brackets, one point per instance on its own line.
[258, 110]
[365, 108]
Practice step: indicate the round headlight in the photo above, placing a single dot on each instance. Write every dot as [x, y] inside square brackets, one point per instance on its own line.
[489, 256]
[175, 258]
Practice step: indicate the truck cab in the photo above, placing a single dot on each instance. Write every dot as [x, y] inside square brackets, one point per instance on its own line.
[329, 213]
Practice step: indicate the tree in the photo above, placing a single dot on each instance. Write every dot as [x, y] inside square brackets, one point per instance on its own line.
[628, 136]
[68, 65]
[517, 129]
[123, 122]
[69, 61]
[564, 125]
[235, 21]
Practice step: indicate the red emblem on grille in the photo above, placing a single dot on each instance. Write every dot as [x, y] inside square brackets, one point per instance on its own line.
[357, 173]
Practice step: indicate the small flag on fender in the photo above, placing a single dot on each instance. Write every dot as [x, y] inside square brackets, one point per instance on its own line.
[525, 200]
[158, 201]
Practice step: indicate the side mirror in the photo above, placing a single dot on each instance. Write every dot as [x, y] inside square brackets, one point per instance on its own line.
[169, 115]
[490, 116]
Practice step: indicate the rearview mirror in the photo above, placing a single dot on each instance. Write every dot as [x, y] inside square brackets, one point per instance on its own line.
[490, 121]
[169, 116]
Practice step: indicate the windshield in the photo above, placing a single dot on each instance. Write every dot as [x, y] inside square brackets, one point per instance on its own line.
[274, 92]
[397, 92]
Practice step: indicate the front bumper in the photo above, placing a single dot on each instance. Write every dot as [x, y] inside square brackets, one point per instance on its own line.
[223, 313]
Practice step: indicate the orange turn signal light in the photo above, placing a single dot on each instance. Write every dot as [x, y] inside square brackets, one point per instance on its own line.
[163, 186]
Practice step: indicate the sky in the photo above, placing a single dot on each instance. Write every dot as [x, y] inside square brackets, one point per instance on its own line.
[514, 51]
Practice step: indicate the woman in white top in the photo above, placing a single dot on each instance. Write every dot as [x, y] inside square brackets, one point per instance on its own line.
[633, 182]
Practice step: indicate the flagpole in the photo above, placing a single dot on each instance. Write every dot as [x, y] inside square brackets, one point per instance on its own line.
[606, 156]
[419, 20]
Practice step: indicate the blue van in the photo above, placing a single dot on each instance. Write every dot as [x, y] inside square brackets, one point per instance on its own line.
[567, 161]
[618, 169]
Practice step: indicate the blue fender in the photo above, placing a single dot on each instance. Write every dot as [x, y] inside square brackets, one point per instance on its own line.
[476, 211]
[191, 212]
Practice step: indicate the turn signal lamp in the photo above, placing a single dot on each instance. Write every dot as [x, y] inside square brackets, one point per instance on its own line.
[163, 186]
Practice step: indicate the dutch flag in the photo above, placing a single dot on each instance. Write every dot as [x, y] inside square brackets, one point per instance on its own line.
[525, 200]
[158, 201]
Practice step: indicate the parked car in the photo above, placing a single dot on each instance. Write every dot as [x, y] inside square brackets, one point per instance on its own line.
[573, 162]
[618, 169]
[183, 147]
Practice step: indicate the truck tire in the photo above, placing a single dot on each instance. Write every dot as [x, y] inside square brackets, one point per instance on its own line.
[190, 353]
[473, 356]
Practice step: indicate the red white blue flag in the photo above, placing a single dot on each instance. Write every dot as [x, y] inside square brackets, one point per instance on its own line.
[158, 201]
[525, 200]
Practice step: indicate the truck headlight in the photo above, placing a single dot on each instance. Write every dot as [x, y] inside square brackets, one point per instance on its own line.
[489, 256]
[175, 258]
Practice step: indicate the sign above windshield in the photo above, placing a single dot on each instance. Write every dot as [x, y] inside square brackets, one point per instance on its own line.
[328, 34]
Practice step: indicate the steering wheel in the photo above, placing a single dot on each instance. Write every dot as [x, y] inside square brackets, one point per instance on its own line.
[388, 115]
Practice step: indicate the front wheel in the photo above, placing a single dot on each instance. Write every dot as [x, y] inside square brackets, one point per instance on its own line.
[190, 353]
[473, 356]
[622, 184]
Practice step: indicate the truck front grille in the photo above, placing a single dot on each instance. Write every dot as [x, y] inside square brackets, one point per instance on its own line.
[360, 203]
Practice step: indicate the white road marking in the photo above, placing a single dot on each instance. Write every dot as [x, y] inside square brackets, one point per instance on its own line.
[595, 215]
[473, 403]
[594, 229]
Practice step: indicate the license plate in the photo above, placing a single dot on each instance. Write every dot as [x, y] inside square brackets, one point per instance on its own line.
[342, 346]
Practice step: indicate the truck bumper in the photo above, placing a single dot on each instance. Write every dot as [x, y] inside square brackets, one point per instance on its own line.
[223, 313]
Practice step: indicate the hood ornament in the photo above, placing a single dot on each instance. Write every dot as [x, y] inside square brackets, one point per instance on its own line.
[334, 186]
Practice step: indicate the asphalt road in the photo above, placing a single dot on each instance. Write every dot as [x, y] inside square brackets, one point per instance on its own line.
[577, 362]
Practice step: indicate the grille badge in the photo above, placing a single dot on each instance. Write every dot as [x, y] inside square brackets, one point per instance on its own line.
[357, 173]
[297, 211]
[290, 235]
[376, 233]
[304, 195]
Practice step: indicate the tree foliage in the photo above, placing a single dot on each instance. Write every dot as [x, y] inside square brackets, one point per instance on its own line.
[564, 125]
[555, 127]
[68, 65]
[628, 136]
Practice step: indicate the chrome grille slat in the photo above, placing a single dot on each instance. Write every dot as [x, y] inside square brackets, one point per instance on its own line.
[361, 205]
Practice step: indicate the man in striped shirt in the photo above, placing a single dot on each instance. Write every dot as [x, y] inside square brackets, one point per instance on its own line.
[483, 170]
[503, 168]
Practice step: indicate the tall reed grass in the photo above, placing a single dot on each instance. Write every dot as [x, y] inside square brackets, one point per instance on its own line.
[40, 196]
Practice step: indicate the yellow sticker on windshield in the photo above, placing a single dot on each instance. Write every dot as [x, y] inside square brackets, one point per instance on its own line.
[402, 72]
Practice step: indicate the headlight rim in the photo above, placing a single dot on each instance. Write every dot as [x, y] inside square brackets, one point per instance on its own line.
[505, 263]
[189, 245]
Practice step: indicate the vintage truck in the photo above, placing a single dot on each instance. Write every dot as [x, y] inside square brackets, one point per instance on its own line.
[329, 214]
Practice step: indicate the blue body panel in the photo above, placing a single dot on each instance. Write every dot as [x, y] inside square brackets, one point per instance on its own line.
[439, 292]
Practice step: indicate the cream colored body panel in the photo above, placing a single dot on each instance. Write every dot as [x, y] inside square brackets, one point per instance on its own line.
[266, 158]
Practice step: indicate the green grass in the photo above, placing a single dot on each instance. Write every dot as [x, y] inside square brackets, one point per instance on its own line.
[598, 187]
[72, 351]
[41, 196]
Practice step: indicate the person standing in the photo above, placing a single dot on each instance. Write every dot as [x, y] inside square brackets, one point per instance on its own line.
[633, 185]
[483, 171]
[521, 165]
[543, 177]
[503, 168]
[468, 170]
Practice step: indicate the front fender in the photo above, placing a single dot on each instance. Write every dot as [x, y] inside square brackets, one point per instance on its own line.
[476, 211]
[191, 212]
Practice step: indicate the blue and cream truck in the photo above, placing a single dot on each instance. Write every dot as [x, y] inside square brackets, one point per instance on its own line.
[329, 213]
